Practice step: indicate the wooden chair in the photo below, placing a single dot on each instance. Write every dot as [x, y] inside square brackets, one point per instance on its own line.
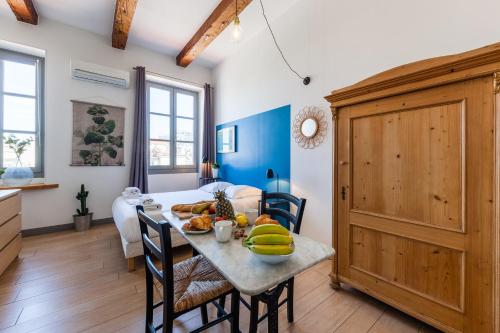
[183, 287]
[291, 219]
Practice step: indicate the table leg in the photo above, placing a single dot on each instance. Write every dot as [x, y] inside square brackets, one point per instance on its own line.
[235, 311]
[289, 303]
[254, 314]
[271, 299]
[272, 315]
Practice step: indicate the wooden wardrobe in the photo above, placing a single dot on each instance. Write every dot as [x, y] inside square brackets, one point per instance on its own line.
[416, 189]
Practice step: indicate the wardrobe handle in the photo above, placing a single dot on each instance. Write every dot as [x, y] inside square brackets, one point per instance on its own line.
[343, 193]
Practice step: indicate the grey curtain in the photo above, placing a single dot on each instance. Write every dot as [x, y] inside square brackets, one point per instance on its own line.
[208, 149]
[139, 164]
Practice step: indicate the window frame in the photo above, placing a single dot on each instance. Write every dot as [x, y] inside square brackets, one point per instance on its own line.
[173, 168]
[39, 134]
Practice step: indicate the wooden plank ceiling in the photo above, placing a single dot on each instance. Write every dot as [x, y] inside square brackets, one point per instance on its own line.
[220, 18]
[124, 13]
[24, 10]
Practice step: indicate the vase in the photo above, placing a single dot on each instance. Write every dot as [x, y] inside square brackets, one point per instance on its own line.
[17, 176]
[215, 173]
[82, 222]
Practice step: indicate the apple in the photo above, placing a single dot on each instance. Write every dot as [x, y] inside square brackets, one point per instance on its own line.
[211, 209]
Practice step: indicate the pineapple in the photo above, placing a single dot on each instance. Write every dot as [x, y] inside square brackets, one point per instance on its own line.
[223, 207]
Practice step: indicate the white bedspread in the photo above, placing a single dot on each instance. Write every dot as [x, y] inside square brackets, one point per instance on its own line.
[125, 215]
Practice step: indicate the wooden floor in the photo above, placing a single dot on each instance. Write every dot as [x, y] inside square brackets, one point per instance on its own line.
[78, 282]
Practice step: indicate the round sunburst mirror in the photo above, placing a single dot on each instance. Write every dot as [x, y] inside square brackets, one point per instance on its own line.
[310, 127]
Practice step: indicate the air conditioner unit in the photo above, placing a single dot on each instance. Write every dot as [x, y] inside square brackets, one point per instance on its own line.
[99, 74]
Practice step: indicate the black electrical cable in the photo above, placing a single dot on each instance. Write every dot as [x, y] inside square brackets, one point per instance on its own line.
[306, 80]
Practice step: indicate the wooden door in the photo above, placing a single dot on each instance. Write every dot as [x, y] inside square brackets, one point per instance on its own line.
[415, 203]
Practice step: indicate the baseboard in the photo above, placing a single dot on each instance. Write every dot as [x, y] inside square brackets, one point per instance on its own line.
[60, 227]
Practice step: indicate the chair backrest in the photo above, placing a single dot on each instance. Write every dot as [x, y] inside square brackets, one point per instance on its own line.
[162, 254]
[295, 219]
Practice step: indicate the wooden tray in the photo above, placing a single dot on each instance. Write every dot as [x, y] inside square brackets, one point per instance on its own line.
[187, 215]
[182, 215]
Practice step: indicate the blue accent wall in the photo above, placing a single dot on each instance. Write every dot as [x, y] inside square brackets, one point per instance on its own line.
[262, 142]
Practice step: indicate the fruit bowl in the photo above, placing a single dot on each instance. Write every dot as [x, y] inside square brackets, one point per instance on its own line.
[272, 259]
[270, 243]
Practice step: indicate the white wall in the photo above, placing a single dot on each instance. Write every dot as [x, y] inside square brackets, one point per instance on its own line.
[62, 43]
[338, 42]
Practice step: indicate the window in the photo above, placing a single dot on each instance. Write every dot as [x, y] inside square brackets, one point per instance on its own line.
[21, 108]
[172, 128]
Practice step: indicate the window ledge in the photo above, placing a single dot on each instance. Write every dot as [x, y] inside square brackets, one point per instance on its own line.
[41, 186]
[152, 172]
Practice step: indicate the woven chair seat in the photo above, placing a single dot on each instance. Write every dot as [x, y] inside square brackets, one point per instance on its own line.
[196, 281]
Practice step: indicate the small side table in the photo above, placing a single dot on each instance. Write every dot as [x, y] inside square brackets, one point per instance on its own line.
[207, 180]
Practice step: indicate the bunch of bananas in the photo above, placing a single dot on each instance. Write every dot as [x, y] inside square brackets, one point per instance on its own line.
[270, 239]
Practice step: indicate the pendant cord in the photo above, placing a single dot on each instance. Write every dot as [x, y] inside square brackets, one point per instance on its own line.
[306, 79]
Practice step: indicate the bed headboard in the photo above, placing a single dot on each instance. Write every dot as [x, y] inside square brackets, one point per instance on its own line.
[262, 143]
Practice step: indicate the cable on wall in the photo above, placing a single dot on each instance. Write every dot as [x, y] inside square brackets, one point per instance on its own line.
[306, 80]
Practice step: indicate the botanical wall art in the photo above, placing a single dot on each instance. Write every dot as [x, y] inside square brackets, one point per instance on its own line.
[97, 134]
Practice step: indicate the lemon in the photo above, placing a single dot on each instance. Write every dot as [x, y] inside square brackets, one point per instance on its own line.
[241, 220]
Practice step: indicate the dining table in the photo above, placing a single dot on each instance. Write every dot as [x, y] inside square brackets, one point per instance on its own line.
[246, 272]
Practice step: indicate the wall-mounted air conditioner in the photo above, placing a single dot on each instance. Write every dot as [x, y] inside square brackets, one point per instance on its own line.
[99, 74]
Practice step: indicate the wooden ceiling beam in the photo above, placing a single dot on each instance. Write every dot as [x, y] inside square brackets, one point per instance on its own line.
[24, 10]
[124, 13]
[220, 18]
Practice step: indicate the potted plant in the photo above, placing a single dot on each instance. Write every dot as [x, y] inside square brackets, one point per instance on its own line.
[18, 175]
[82, 218]
[215, 170]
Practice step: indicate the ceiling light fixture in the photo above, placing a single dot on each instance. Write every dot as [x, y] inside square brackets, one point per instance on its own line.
[237, 30]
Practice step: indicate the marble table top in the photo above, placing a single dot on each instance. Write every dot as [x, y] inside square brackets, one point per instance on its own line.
[240, 267]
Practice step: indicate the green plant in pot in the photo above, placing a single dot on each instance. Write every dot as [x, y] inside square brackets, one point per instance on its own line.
[215, 170]
[82, 218]
[17, 175]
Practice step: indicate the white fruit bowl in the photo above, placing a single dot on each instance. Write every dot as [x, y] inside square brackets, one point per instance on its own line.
[272, 259]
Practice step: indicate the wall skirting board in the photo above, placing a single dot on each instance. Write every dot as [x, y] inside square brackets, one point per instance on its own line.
[61, 227]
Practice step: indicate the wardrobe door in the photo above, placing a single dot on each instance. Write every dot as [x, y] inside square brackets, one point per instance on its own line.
[416, 203]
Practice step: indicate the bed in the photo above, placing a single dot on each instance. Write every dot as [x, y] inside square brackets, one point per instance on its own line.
[125, 217]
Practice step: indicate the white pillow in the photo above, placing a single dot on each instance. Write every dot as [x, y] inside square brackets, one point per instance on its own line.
[215, 186]
[242, 191]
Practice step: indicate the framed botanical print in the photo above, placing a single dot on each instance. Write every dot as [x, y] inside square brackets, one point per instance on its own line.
[98, 132]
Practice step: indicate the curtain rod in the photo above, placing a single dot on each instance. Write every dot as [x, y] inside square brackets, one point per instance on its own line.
[177, 79]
